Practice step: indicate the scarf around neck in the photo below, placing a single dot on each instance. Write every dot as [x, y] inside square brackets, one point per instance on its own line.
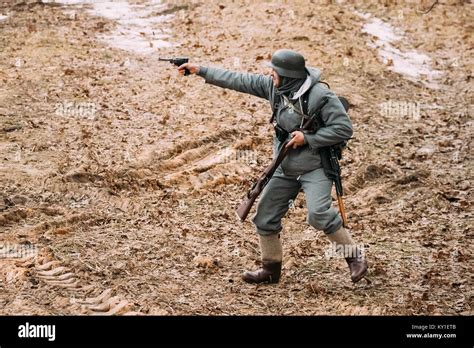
[289, 85]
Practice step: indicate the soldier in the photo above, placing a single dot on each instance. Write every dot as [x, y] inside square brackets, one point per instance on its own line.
[294, 87]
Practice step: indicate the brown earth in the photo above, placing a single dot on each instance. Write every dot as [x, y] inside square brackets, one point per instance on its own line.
[132, 211]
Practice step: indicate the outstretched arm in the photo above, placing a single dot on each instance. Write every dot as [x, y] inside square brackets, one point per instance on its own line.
[255, 84]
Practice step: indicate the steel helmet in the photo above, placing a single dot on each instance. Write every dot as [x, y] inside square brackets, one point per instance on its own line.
[288, 63]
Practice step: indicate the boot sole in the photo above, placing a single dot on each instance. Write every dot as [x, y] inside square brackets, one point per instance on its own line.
[361, 276]
[250, 281]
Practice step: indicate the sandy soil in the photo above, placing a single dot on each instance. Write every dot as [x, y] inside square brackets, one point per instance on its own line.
[126, 200]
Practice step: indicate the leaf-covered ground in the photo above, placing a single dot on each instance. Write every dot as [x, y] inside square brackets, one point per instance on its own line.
[128, 200]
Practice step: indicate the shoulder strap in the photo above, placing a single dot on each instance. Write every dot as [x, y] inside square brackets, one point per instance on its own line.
[345, 103]
[327, 84]
[274, 113]
[305, 101]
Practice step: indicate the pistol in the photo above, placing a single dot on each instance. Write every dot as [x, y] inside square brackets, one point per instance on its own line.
[178, 62]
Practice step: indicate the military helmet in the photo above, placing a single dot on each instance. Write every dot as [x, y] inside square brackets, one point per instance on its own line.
[288, 63]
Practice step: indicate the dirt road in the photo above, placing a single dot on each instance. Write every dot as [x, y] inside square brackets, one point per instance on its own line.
[119, 178]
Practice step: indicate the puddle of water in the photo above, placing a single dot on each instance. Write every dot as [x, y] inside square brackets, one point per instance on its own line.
[410, 63]
[138, 29]
[383, 31]
[414, 65]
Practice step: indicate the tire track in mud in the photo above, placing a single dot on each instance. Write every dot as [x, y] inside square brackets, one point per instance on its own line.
[380, 183]
[50, 273]
[203, 163]
[208, 162]
[217, 159]
[46, 271]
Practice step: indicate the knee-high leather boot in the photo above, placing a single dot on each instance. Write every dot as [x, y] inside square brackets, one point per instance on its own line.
[272, 254]
[356, 262]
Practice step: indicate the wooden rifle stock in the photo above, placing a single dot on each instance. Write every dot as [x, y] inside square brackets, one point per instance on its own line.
[244, 209]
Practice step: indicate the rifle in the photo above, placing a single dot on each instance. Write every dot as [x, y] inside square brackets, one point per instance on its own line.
[177, 62]
[244, 209]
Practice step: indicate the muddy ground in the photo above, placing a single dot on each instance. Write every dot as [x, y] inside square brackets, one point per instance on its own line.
[126, 200]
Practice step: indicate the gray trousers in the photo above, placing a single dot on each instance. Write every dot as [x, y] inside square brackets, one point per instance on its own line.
[275, 202]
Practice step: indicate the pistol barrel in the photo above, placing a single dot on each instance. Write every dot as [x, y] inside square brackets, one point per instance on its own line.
[178, 62]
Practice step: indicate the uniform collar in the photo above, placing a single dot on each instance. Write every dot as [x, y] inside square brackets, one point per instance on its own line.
[304, 87]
